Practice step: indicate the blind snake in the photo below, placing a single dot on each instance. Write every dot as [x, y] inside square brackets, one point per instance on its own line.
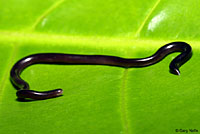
[59, 58]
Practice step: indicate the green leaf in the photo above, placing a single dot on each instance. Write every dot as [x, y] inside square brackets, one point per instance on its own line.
[100, 99]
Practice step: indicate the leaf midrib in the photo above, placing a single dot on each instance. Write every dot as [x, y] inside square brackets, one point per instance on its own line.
[59, 39]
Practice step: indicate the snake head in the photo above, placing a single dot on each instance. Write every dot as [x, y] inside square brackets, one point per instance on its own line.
[175, 71]
[177, 62]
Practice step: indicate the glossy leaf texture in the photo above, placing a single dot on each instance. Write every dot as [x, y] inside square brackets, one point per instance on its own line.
[100, 99]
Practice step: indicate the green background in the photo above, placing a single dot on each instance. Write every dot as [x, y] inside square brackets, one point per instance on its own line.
[100, 99]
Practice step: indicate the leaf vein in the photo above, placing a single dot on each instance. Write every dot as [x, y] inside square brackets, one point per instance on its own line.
[6, 74]
[146, 18]
[45, 13]
[123, 105]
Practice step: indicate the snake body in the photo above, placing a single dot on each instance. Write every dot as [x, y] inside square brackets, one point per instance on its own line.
[59, 58]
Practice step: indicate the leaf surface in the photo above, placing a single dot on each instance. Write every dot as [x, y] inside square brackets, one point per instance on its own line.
[100, 99]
